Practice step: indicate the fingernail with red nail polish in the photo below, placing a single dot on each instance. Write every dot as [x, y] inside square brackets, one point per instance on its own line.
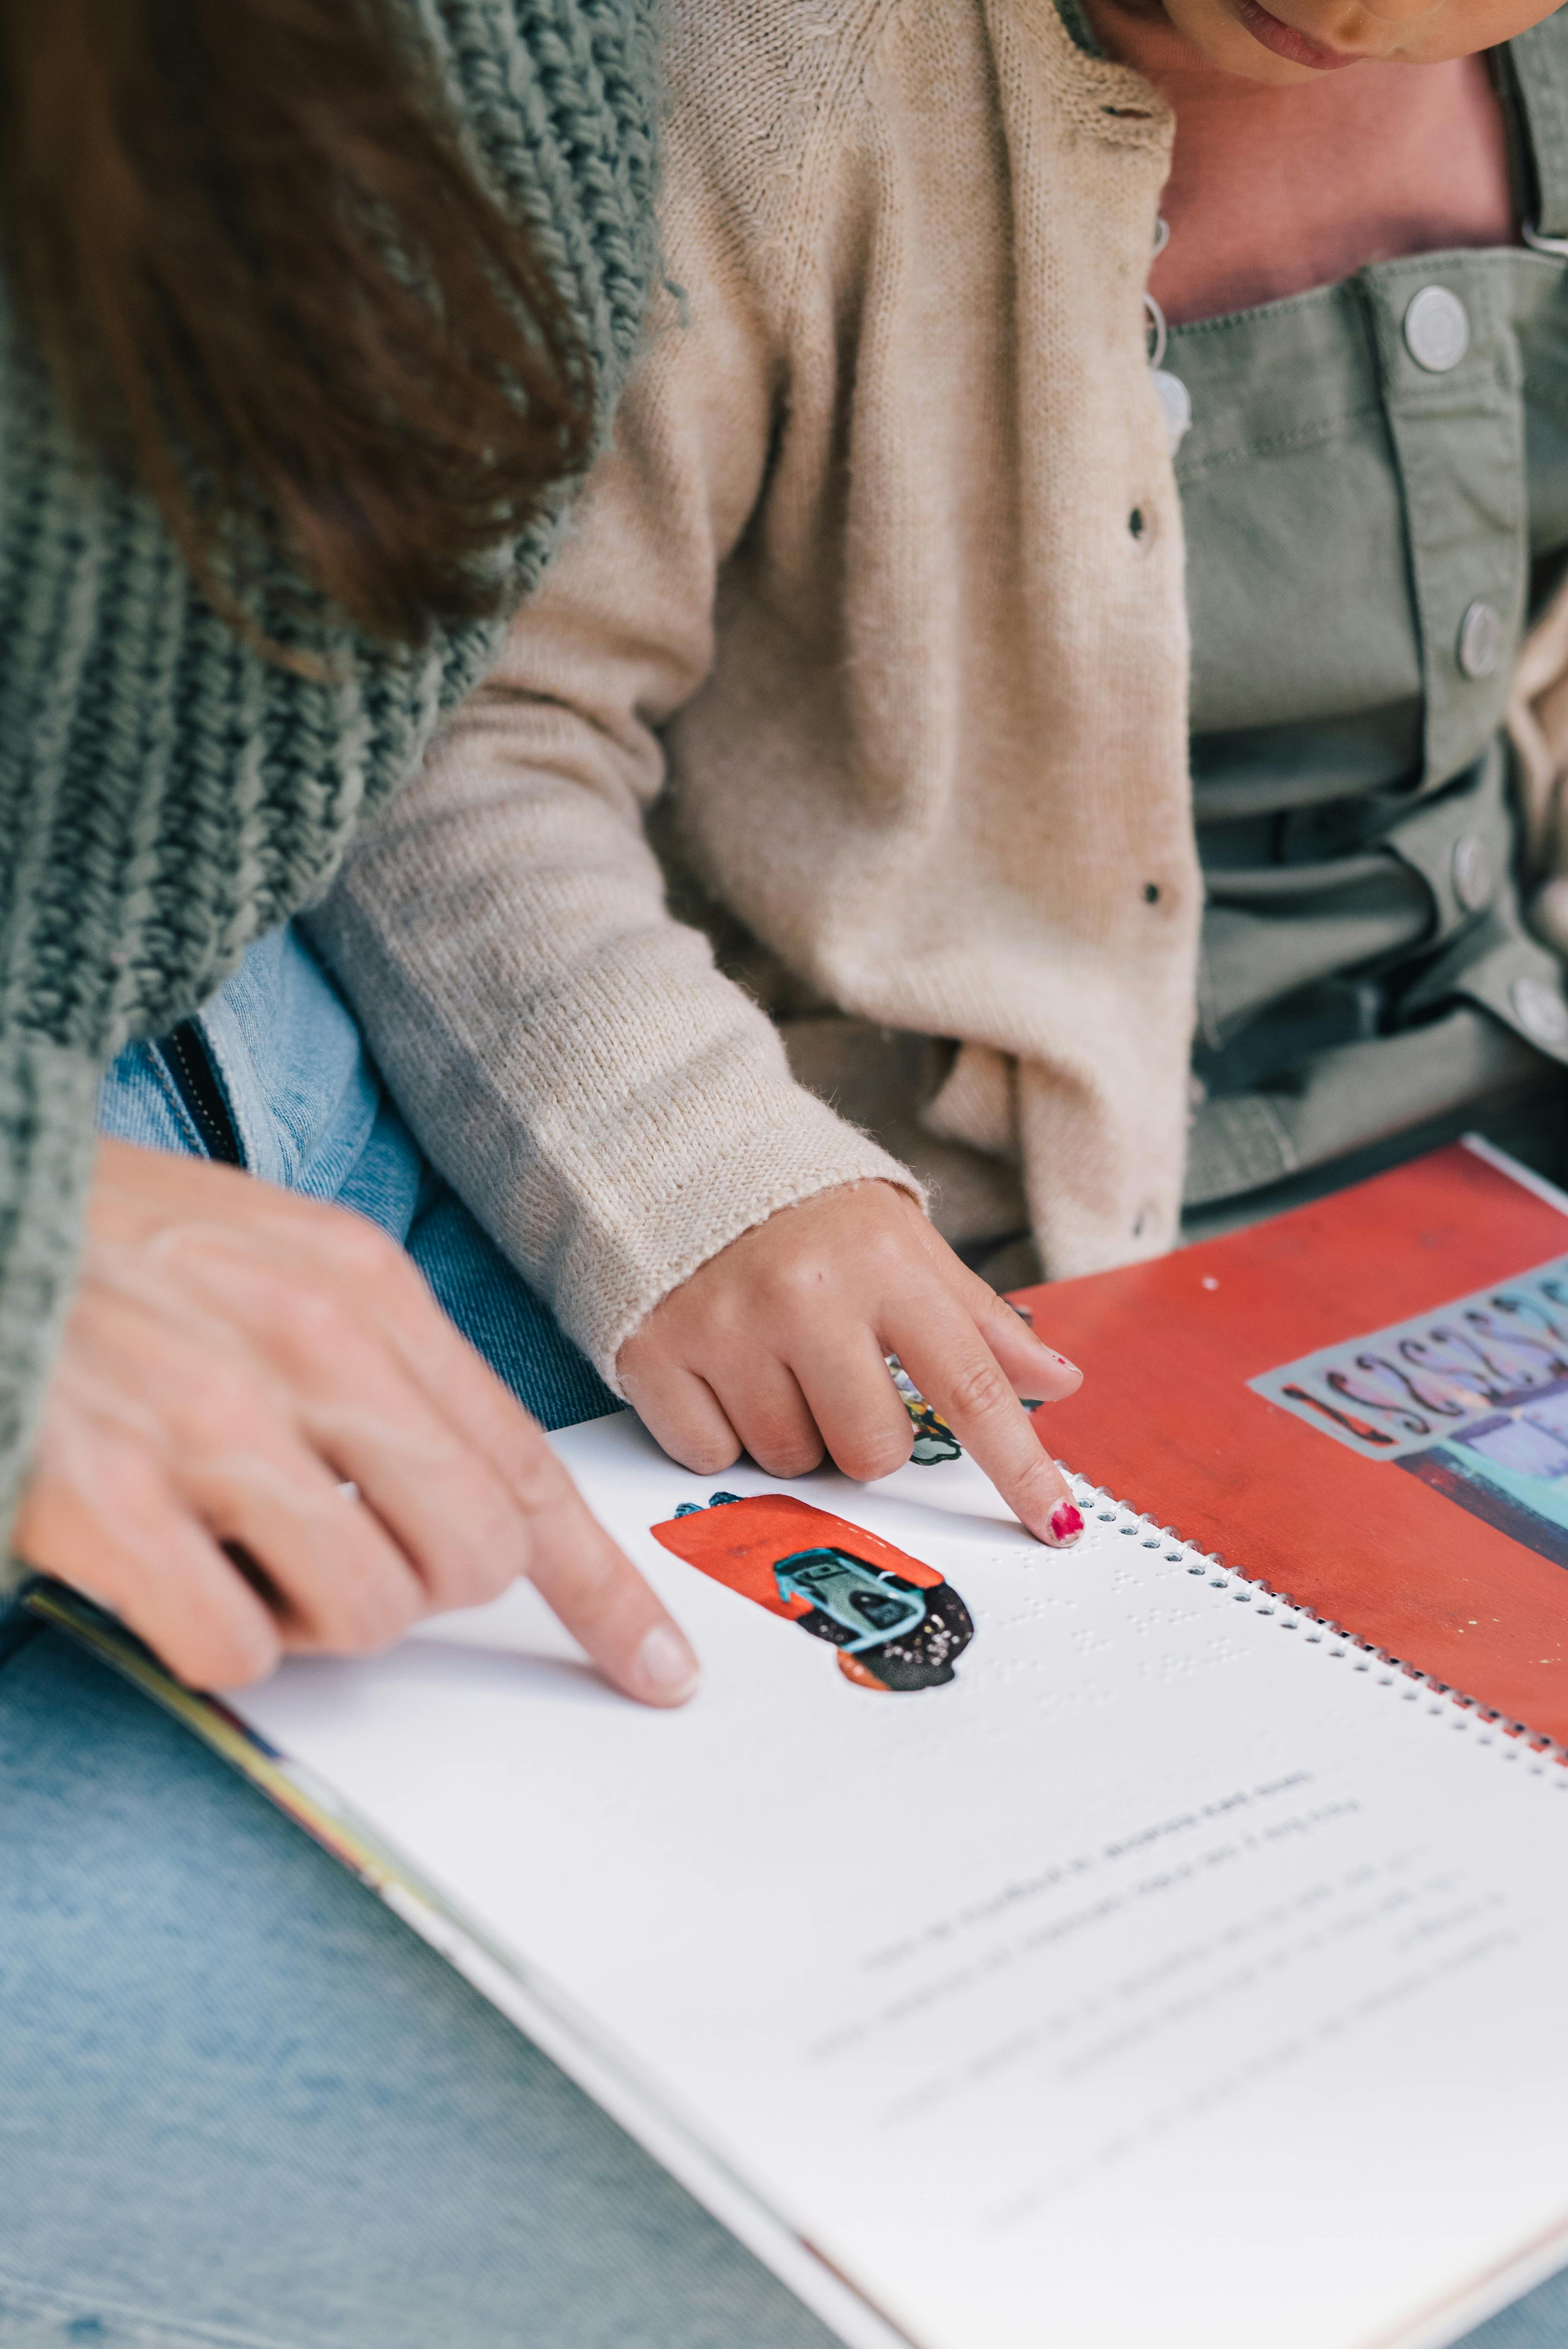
[1067, 1522]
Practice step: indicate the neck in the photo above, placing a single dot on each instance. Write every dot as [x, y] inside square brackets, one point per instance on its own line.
[1276, 190]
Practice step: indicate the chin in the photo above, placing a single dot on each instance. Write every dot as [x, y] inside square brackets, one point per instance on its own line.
[1209, 28]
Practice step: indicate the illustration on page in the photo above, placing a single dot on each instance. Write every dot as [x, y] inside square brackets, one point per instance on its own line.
[897, 1624]
[1472, 1398]
[934, 1441]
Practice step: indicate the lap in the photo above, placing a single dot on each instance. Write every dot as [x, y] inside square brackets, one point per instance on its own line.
[309, 1111]
[249, 2107]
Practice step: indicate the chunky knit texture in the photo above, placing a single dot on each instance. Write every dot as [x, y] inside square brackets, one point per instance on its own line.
[166, 795]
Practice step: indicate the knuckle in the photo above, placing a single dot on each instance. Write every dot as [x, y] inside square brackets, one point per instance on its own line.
[281, 1303]
[886, 1249]
[221, 1403]
[310, 1318]
[979, 1388]
[704, 1455]
[789, 1455]
[477, 1580]
[476, 1568]
[797, 1278]
[875, 1453]
[539, 1483]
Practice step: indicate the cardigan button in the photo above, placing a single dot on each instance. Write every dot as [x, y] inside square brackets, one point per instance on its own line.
[1436, 329]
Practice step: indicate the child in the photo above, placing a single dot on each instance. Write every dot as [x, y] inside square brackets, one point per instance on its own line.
[1056, 592]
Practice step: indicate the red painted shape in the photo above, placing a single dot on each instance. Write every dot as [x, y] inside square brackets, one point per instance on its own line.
[1067, 1522]
[740, 1542]
[1165, 1419]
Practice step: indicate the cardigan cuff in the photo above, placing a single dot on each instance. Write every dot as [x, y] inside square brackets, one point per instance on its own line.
[613, 1280]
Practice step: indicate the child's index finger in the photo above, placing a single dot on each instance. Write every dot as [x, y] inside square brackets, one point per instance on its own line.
[955, 1369]
[1036, 1368]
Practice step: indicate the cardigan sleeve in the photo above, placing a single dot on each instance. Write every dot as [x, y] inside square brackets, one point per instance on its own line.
[611, 1108]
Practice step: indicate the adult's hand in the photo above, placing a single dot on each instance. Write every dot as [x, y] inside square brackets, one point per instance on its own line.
[235, 1355]
[777, 1344]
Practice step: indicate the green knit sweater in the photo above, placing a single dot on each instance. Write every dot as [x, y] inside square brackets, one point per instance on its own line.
[167, 796]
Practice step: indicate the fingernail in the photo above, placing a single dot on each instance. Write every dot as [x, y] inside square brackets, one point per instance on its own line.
[1067, 1522]
[666, 1664]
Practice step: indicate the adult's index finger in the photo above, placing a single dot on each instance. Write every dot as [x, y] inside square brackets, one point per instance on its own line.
[603, 1600]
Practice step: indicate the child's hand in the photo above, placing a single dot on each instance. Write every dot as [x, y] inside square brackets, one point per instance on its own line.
[777, 1346]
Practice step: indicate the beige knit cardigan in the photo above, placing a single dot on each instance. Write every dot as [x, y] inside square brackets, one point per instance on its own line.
[882, 584]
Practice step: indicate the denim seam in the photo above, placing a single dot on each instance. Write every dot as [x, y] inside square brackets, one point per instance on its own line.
[175, 1098]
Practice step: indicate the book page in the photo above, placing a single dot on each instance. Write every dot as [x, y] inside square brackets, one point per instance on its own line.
[1141, 1963]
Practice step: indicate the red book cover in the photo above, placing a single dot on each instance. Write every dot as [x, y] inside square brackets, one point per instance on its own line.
[1363, 1403]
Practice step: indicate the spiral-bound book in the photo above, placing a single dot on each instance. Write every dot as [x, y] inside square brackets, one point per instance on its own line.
[1366, 1402]
[1155, 1942]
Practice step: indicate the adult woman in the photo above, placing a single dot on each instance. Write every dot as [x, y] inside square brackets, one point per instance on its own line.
[252, 264]
[311, 312]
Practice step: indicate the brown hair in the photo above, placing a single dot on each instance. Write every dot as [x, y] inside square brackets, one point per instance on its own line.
[265, 278]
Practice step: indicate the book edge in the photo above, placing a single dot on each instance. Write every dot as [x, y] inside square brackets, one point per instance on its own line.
[545, 2015]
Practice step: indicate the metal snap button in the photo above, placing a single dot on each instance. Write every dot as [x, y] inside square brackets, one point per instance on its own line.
[1541, 1011]
[1480, 640]
[1473, 881]
[1436, 329]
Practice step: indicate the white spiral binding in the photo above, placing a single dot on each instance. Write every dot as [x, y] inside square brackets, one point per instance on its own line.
[1513, 1740]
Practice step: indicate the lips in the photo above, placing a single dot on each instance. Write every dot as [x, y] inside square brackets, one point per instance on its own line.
[1286, 42]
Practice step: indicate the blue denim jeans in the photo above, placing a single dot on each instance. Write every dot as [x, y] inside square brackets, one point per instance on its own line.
[310, 1113]
[240, 2102]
